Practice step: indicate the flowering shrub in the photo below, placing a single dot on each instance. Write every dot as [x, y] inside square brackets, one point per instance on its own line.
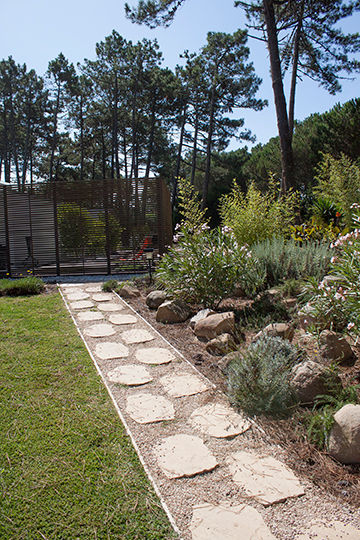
[337, 302]
[205, 266]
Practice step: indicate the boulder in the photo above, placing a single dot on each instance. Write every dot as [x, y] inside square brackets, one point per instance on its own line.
[173, 311]
[334, 347]
[214, 325]
[310, 379]
[221, 345]
[128, 291]
[200, 316]
[223, 363]
[155, 298]
[282, 330]
[344, 440]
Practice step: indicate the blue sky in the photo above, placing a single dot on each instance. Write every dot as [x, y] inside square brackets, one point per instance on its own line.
[35, 31]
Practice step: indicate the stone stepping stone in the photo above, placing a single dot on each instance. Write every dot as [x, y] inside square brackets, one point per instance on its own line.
[264, 478]
[219, 421]
[100, 330]
[183, 385]
[184, 455]
[110, 306]
[225, 522]
[154, 355]
[102, 297]
[136, 336]
[110, 350]
[147, 408]
[71, 285]
[71, 291]
[130, 375]
[77, 296]
[94, 289]
[122, 319]
[333, 530]
[90, 316]
[81, 304]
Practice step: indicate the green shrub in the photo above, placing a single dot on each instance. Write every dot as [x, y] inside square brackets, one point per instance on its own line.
[110, 285]
[75, 227]
[256, 216]
[339, 181]
[205, 266]
[21, 287]
[320, 421]
[286, 259]
[258, 380]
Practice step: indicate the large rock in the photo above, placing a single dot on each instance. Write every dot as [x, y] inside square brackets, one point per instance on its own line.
[200, 316]
[155, 298]
[128, 291]
[214, 325]
[221, 345]
[334, 347]
[310, 379]
[172, 311]
[282, 330]
[223, 363]
[344, 440]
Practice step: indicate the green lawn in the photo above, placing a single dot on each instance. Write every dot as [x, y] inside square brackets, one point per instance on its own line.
[67, 468]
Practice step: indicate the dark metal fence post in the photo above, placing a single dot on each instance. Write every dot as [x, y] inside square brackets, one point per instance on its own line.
[7, 234]
[107, 228]
[31, 234]
[56, 229]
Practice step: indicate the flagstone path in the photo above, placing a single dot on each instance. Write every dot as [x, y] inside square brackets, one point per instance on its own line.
[215, 476]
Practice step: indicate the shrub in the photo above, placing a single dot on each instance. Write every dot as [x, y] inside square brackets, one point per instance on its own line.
[21, 287]
[339, 181]
[258, 380]
[320, 421]
[337, 303]
[110, 285]
[75, 226]
[286, 259]
[257, 216]
[205, 266]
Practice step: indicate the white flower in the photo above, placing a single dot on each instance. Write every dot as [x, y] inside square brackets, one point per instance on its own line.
[350, 325]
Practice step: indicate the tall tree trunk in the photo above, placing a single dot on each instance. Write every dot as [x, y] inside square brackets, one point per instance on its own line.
[31, 167]
[26, 149]
[206, 182]
[81, 137]
[194, 153]
[279, 96]
[125, 155]
[116, 128]
[149, 158]
[7, 153]
[103, 154]
[178, 160]
[294, 71]
[54, 133]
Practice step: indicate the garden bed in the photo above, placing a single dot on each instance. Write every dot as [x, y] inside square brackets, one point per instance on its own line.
[305, 459]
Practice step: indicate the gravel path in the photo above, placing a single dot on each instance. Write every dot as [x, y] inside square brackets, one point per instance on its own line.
[202, 460]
